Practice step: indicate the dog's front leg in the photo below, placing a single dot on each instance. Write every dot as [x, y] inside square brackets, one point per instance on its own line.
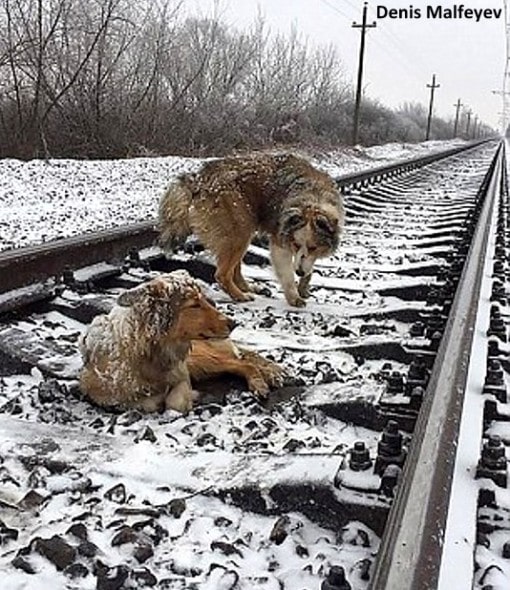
[180, 397]
[304, 285]
[282, 264]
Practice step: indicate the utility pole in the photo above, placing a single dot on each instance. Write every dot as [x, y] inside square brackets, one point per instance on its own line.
[432, 87]
[469, 113]
[364, 26]
[506, 76]
[475, 127]
[457, 106]
[503, 121]
[504, 94]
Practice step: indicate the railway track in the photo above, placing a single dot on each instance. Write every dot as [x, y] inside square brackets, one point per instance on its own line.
[352, 464]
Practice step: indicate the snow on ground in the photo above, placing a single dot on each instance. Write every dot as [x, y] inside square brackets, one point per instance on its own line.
[118, 475]
[46, 200]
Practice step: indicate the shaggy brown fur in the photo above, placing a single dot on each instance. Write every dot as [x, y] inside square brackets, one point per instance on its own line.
[296, 205]
[137, 355]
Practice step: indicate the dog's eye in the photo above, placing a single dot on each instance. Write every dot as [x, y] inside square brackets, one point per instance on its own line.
[324, 225]
[294, 222]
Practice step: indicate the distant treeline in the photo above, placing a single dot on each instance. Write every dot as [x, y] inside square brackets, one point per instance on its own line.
[112, 78]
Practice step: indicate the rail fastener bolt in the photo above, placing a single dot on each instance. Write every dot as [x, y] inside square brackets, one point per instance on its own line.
[360, 457]
[386, 371]
[395, 383]
[506, 550]
[493, 349]
[498, 269]
[498, 292]
[389, 480]
[490, 412]
[435, 323]
[390, 450]
[68, 277]
[417, 375]
[434, 297]
[505, 553]
[492, 464]
[497, 328]
[499, 252]
[416, 398]
[495, 381]
[487, 499]
[501, 243]
[417, 329]
[133, 257]
[435, 341]
[336, 580]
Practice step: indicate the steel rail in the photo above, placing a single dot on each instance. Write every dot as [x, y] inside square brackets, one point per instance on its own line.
[410, 554]
[376, 174]
[24, 266]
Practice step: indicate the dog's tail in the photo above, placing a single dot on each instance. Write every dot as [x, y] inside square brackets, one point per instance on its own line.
[173, 219]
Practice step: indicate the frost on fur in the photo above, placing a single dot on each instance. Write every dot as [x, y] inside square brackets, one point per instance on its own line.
[231, 199]
[173, 218]
[135, 356]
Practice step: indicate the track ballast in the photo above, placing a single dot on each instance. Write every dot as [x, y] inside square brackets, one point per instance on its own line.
[244, 495]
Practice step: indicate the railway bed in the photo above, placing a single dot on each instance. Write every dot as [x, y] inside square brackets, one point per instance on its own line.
[350, 464]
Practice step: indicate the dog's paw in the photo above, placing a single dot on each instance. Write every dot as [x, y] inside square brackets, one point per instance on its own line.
[296, 300]
[259, 387]
[180, 405]
[180, 398]
[275, 376]
[244, 297]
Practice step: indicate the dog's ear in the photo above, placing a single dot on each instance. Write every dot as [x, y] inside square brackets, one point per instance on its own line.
[132, 296]
[162, 312]
[157, 306]
[156, 290]
[292, 220]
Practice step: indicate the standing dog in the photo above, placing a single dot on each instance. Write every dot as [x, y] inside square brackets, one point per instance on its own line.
[228, 200]
[138, 355]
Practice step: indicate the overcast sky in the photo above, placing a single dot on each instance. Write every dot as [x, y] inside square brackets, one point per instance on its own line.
[467, 57]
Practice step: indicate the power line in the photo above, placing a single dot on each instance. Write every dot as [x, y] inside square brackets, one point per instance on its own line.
[395, 53]
[333, 7]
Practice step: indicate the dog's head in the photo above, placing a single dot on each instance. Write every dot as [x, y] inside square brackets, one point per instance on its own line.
[173, 305]
[311, 232]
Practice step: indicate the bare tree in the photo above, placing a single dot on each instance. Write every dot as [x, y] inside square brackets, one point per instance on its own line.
[103, 78]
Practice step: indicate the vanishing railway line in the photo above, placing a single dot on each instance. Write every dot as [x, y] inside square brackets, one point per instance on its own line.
[356, 462]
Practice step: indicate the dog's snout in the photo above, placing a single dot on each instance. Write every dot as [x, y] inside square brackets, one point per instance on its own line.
[231, 324]
[300, 272]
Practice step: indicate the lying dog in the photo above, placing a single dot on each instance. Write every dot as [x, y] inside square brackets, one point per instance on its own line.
[224, 204]
[157, 338]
